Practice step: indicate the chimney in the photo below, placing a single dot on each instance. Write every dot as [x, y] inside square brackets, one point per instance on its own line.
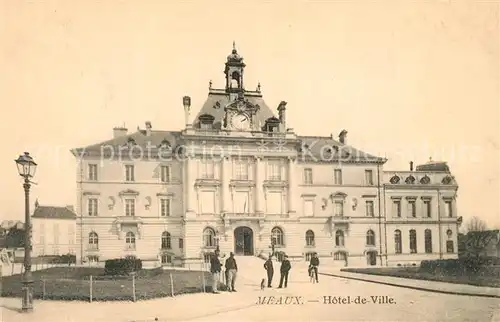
[186, 100]
[119, 131]
[411, 165]
[282, 113]
[148, 128]
[343, 136]
[70, 208]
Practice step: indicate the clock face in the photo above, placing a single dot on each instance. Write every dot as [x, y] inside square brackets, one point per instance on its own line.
[240, 122]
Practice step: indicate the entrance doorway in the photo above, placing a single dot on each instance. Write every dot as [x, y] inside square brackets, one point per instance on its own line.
[371, 257]
[243, 241]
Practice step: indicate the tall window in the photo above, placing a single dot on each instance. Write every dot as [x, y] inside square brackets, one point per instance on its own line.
[277, 236]
[207, 202]
[309, 238]
[449, 243]
[339, 208]
[241, 170]
[181, 243]
[397, 208]
[413, 241]
[308, 176]
[274, 202]
[369, 208]
[339, 238]
[166, 240]
[412, 208]
[93, 241]
[130, 207]
[309, 208]
[428, 241]
[369, 177]
[207, 169]
[165, 173]
[165, 207]
[241, 202]
[370, 238]
[93, 172]
[448, 208]
[129, 173]
[130, 240]
[93, 207]
[398, 242]
[274, 167]
[209, 239]
[427, 208]
[337, 176]
[339, 256]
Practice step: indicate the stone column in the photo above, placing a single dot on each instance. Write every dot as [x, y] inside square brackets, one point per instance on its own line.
[226, 178]
[291, 185]
[259, 189]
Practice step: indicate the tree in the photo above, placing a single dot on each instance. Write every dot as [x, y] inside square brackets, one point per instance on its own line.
[15, 238]
[476, 224]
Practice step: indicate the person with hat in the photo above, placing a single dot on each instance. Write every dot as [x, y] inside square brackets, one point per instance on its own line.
[215, 268]
[231, 270]
[284, 269]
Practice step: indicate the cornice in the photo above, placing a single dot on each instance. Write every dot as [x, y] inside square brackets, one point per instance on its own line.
[91, 193]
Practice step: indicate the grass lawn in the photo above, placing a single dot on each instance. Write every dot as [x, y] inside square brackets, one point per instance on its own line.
[415, 273]
[73, 283]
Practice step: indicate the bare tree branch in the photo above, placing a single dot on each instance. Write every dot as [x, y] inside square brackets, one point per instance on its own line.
[476, 224]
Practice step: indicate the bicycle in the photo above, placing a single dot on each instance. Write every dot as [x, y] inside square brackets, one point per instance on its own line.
[312, 276]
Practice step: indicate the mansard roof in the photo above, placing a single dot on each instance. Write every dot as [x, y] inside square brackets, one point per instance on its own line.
[52, 212]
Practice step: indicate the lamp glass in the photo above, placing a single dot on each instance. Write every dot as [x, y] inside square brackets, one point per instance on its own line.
[26, 166]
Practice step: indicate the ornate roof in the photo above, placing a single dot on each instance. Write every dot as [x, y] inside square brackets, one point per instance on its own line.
[53, 212]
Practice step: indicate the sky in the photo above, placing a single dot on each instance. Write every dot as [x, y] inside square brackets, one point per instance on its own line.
[408, 80]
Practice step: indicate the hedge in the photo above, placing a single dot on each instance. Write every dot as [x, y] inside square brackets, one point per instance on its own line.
[122, 266]
[458, 266]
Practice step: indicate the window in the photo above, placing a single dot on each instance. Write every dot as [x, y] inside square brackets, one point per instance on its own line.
[207, 202]
[449, 233]
[339, 238]
[71, 234]
[398, 242]
[309, 255]
[274, 168]
[427, 208]
[207, 257]
[207, 169]
[166, 241]
[370, 238]
[93, 207]
[165, 173]
[308, 176]
[241, 170]
[309, 238]
[449, 246]
[93, 172]
[412, 208]
[130, 240]
[274, 202]
[309, 208]
[130, 207]
[166, 259]
[448, 208]
[339, 208]
[397, 208]
[337, 175]
[369, 177]
[129, 173]
[181, 243]
[93, 241]
[369, 208]
[339, 256]
[277, 236]
[209, 239]
[165, 207]
[413, 241]
[241, 203]
[428, 241]
[93, 258]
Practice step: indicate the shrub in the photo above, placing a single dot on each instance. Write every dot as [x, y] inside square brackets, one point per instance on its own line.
[461, 266]
[122, 266]
[64, 259]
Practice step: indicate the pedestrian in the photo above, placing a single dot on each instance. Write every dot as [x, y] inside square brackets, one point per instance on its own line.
[284, 269]
[313, 264]
[268, 266]
[231, 270]
[215, 268]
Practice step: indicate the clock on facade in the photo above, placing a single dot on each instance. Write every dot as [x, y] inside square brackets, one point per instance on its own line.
[240, 122]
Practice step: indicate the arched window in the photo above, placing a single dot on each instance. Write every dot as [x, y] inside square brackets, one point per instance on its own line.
[209, 239]
[413, 241]
[449, 243]
[370, 238]
[428, 241]
[398, 243]
[130, 240]
[339, 238]
[277, 236]
[309, 238]
[166, 240]
[93, 240]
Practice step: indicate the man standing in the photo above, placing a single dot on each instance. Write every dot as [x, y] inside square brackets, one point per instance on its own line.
[284, 269]
[268, 266]
[231, 269]
[215, 268]
[313, 264]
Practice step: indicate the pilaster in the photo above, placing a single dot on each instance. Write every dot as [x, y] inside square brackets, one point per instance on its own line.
[190, 180]
[291, 185]
[226, 178]
[259, 181]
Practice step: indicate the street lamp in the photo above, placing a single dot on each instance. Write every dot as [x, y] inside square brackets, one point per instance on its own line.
[26, 167]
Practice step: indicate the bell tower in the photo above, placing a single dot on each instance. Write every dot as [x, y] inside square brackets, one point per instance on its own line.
[234, 72]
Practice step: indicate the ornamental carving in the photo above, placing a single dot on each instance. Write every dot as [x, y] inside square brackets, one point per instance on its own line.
[147, 204]
[447, 180]
[410, 180]
[425, 180]
[111, 203]
[395, 179]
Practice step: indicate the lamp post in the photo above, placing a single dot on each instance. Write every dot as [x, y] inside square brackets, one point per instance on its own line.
[26, 167]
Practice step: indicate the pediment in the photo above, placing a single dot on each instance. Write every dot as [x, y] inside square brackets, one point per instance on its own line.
[338, 195]
[128, 192]
[242, 105]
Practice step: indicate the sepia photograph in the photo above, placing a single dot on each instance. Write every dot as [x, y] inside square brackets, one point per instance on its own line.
[265, 160]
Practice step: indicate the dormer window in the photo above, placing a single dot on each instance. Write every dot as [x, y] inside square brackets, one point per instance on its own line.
[130, 142]
[272, 125]
[206, 121]
[164, 144]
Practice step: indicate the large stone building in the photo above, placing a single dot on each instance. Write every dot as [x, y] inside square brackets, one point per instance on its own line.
[239, 178]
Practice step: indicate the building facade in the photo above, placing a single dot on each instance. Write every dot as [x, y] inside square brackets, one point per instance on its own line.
[239, 178]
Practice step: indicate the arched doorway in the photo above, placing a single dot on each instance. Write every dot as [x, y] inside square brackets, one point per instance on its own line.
[243, 241]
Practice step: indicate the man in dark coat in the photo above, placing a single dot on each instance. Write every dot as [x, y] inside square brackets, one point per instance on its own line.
[313, 265]
[284, 269]
[231, 269]
[268, 266]
[215, 268]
